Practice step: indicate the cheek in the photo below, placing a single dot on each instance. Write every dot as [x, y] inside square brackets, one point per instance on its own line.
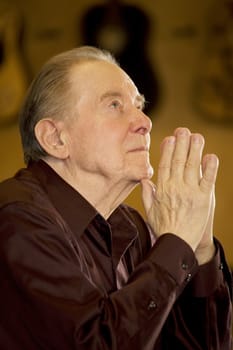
[104, 141]
[110, 138]
[78, 142]
[111, 152]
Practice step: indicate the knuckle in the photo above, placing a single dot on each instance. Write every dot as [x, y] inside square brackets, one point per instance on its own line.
[190, 164]
[177, 162]
[163, 165]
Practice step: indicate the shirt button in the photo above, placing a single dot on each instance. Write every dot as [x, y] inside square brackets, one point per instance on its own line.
[188, 277]
[221, 266]
[152, 305]
[184, 266]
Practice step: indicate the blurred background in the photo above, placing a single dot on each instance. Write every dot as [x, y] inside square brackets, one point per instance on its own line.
[179, 53]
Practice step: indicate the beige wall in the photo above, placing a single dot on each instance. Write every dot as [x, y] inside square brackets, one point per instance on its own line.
[175, 54]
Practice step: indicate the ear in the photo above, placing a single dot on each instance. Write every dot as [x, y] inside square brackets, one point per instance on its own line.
[49, 134]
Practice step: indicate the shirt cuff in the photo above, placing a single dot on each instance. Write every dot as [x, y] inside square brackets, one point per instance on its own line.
[208, 278]
[175, 256]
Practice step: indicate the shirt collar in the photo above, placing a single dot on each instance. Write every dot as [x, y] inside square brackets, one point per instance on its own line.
[74, 208]
[71, 205]
[124, 231]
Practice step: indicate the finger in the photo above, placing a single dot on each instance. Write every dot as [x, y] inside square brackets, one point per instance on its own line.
[180, 153]
[192, 171]
[210, 165]
[167, 149]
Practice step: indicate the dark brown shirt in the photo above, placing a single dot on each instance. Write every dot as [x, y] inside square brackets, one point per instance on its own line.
[71, 280]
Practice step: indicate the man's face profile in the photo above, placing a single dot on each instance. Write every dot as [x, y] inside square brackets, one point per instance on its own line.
[109, 134]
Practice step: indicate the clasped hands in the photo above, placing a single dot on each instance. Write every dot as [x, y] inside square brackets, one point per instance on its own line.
[182, 201]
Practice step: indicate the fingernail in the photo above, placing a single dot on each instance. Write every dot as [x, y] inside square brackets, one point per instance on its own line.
[182, 131]
[171, 139]
[197, 138]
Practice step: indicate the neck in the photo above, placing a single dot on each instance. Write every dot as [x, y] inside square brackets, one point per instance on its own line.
[108, 197]
[104, 194]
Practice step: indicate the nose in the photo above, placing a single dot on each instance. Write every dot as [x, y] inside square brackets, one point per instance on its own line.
[141, 123]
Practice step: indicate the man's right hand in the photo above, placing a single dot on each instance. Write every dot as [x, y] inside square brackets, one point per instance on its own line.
[182, 200]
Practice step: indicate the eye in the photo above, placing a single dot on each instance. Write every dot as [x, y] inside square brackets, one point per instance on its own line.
[140, 102]
[140, 107]
[115, 104]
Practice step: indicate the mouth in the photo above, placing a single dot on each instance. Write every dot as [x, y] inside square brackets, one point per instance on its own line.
[139, 149]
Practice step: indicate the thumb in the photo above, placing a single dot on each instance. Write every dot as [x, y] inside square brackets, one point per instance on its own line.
[148, 194]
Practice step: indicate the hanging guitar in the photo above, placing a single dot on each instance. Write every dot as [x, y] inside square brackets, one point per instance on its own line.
[13, 81]
[213, 96]
[124, 31]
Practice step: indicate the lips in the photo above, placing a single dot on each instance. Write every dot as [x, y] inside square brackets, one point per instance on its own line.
[140, 149]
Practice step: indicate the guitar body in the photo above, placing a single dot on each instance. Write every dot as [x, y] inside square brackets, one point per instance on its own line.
[213, 96]
[124, 31]
[13, 81]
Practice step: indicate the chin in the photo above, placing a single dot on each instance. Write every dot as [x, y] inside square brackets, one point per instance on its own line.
[147, 173]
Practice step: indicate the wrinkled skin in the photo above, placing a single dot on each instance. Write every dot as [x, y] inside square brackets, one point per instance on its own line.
[183, 201]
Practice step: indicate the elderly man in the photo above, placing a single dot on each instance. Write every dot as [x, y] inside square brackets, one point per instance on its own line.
[81, 270]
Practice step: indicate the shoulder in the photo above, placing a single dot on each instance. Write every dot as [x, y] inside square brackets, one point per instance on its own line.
[12, 190]
[22, 191]
[25, 208]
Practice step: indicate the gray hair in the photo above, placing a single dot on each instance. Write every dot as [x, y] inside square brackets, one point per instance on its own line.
[49, 93]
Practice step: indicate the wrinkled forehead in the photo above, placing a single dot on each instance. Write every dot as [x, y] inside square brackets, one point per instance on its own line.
[100, 76]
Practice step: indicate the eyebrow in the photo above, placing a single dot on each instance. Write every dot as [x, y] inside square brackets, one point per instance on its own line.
[139, 98]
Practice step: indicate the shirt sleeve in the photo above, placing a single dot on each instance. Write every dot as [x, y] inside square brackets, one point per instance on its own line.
[201, 317]
[48, 302]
